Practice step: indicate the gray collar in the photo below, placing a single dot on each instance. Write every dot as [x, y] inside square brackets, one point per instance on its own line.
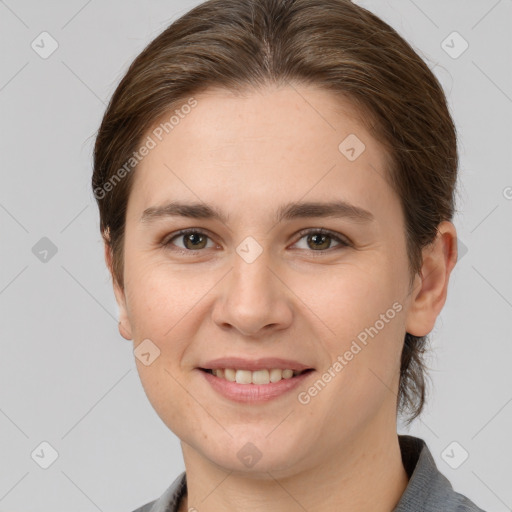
[428, 489]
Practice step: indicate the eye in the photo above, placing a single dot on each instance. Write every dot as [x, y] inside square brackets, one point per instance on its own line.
[320, 239]
[193, 239]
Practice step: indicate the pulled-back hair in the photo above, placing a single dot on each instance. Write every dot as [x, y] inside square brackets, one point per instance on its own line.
[331, 44]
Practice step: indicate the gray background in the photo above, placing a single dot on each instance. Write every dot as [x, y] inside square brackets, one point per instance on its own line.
[67, 376]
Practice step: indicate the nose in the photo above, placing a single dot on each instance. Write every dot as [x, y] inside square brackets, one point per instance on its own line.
[254, 298]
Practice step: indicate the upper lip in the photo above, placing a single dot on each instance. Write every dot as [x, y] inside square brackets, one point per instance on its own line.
[254, 364]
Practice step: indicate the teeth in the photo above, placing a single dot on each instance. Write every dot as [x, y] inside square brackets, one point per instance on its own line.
[256, 377]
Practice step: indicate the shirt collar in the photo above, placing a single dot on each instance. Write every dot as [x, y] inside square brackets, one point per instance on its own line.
[428, 489]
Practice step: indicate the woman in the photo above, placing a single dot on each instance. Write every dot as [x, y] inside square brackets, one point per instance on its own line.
[275, 182]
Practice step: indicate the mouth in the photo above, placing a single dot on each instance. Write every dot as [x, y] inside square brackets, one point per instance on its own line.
[255, 386]
[258, 377]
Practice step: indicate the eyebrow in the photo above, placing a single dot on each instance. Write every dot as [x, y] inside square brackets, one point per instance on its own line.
[290, 211]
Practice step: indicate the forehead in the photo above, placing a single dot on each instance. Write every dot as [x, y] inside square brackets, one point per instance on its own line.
[264, 144]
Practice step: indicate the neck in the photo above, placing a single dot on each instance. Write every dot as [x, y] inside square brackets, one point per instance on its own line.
[365, 474]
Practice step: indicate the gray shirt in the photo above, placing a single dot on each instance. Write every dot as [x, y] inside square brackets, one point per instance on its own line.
[428, 489]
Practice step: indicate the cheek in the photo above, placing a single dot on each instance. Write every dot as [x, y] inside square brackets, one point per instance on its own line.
[349, 298]
[362, 317]
[162, 310]
[160, 295]
[170, 399]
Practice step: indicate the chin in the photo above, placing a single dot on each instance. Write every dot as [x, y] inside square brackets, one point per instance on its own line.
[254, 455]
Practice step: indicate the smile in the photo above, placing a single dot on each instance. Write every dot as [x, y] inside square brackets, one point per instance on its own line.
[253, 386]
[260, 377]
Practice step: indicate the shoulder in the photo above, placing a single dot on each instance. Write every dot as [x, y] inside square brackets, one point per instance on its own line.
[428, 489]
[169, 501]
[146, 508]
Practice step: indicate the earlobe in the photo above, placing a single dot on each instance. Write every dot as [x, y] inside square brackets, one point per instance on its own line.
[431, 286]
[124, 323]
[125, 333]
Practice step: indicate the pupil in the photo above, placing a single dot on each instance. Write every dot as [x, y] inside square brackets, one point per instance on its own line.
[315, 238]
[192, 238]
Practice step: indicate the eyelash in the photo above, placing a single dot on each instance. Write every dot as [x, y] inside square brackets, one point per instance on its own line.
[342, 242]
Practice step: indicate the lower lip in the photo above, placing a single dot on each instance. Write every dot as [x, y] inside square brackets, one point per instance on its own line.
[253, 392]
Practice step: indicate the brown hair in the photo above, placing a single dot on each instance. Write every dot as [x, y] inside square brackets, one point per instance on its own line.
[332, 44]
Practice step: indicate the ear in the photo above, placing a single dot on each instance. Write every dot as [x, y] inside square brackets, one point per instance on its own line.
[124, 323]
[431, 286]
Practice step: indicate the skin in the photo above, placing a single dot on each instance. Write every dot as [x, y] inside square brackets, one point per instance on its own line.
[340, 451]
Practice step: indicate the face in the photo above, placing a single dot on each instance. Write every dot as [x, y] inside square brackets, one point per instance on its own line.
[254, 284]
